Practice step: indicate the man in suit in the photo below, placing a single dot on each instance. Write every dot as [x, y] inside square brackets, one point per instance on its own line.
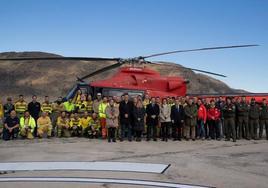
[177, 119]
[126, 113]
[152, 111]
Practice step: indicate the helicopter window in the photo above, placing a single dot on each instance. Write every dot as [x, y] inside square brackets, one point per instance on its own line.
[120, 92]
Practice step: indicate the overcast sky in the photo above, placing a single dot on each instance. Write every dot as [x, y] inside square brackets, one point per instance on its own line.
[127, 28]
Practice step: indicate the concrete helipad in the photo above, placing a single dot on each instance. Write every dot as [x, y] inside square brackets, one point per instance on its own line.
[196, 164]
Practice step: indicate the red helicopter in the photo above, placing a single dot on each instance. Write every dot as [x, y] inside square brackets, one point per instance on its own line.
[135, 78]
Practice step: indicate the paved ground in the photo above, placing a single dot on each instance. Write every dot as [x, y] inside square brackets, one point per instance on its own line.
[214, 163]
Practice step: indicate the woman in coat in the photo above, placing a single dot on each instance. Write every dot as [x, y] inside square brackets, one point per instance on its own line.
[138, 114]
[112, 113]
[165, 119]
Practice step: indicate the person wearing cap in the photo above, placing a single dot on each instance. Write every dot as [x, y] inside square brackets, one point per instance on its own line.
[254, 114]
[229, 110]
[242, 119]
[263, 119]
[20, 106]
[96, 103]
[8, 107]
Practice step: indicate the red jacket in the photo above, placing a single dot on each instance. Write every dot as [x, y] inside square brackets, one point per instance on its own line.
[202, 113]
[214, 114]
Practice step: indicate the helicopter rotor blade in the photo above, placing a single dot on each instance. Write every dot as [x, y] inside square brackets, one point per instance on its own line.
[113, 66]
[206, 72]
[198, 49]
[193, 69]
[59, 58]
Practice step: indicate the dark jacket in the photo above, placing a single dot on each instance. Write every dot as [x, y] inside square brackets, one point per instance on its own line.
[177, 114]
[229, 111]
[126, 108]
[242, 109]
[8, 107]
[264, 112]
[138, 116]
[152, 111]
[34, 109]
[254, 111]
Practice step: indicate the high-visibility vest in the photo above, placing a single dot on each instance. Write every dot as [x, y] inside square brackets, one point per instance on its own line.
[75, 122]
[46, 107]
[89, 106]
[68, 106]
[31, 123]
[20, 107]
[102, 108]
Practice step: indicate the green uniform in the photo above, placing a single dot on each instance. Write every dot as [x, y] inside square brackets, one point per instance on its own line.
[254, 114]
[190, 120]
[242, 120]
[263, 120]
[229, 121]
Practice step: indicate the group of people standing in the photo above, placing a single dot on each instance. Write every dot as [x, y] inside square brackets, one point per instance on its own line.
[128, 118]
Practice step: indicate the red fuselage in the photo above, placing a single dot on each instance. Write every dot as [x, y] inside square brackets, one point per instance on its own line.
[144, 79]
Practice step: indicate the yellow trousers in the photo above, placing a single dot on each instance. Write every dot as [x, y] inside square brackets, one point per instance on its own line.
[44, 129]
[26, 133]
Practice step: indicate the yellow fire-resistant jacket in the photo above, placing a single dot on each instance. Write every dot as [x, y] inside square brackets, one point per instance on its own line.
[84, 122]
[20, 107]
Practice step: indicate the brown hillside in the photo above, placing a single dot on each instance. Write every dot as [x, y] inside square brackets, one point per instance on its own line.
[55, 78]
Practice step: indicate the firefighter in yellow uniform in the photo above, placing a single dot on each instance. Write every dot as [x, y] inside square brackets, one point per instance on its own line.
[84, 122]
[81, 106]
[57, 108]
[1, 118]
[27, 126]
[75, 127]
[89, 104]
[102, 116]
[44, 125]
[94, 126]
[46, 106]
[20, 106]
[63, 125]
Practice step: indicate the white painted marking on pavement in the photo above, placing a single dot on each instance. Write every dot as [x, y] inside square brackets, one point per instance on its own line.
[81, 166]
[100, 180]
